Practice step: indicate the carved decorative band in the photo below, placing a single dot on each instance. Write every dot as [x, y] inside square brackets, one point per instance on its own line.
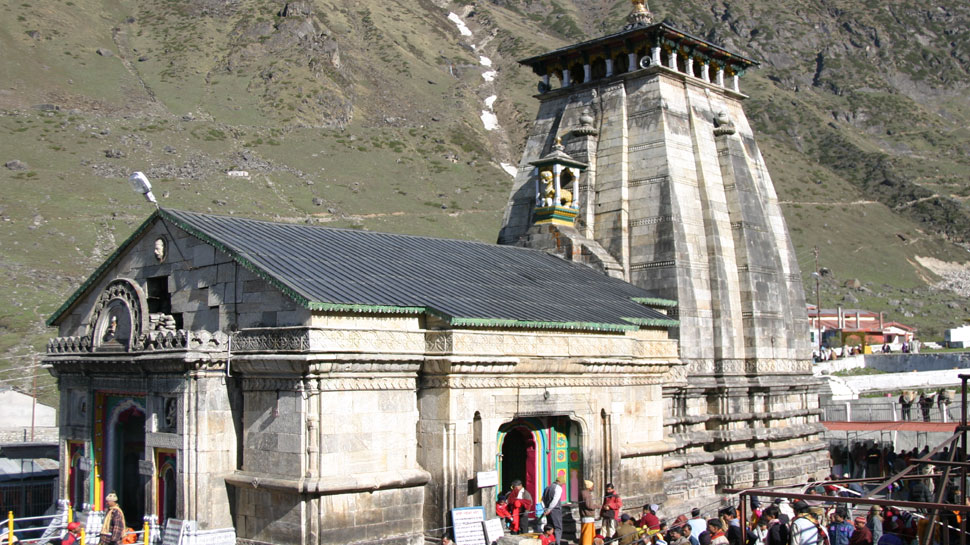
[297, 340]
[536, 382]
[330, 384]
[641, 147]
[651, 221]
[652, 265]
[756, 270]
[648, 181]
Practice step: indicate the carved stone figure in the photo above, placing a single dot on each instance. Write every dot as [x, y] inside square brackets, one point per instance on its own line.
[549, 191]
[160, 250]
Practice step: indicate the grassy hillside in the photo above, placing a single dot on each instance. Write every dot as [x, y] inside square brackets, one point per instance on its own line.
[366, 114]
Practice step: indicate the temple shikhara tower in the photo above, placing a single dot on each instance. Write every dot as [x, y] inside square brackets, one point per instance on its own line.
[641, 163]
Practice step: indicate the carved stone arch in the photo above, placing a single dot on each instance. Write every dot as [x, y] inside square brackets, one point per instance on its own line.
[119, 317]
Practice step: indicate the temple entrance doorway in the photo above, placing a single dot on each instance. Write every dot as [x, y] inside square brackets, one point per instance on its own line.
[536, 450]
[122, 451]
[519, 459]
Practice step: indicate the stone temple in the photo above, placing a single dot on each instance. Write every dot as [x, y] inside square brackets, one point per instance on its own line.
[641, 164]
[294, 384]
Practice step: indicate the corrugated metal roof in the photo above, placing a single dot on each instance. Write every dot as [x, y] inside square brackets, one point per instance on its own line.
[476, 283]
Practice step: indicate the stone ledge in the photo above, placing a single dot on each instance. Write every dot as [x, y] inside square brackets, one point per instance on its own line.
[346, 484]
[651, 448]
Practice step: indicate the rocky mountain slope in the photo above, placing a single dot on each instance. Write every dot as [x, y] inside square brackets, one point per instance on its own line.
[399, 116]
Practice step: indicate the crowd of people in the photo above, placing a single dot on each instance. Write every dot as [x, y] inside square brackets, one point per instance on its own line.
[605, 521]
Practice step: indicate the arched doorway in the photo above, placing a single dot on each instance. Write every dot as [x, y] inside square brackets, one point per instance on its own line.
[519, 459]
[536, 450]
[126, 448]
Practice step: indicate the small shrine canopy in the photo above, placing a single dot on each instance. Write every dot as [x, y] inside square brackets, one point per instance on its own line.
[464, 283]
[634, 39]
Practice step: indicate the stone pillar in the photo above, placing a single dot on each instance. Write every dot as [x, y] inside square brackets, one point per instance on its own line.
[672, 60]
[566, 80]
[736, 83]
[609, 67]
[587, 73]
[706, 71]
[556, 174]
[632, 61]
[655, 55]
[690, 65]
[545, 80]
[720, 76]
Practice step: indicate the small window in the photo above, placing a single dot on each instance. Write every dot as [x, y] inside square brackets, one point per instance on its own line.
[159, 299]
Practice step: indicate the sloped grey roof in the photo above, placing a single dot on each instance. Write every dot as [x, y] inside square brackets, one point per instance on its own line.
[466, 283]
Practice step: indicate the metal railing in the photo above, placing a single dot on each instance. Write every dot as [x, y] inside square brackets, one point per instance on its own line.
[57, 528]
[889, 411]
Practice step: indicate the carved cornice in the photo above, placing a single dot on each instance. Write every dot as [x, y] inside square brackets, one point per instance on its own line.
[313, 385]
[153, 341]
[623, 366]
[466, 382]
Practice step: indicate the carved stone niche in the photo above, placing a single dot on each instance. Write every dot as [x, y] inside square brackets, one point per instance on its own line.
[118, 318]
[168, 416]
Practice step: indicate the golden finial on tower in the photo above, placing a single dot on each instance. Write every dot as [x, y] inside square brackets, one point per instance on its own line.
[640, 15]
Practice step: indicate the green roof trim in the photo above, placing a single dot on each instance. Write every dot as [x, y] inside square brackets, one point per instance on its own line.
[656, 301]
[96, 275]
[500, 322]
[653, 322]
[375, 309]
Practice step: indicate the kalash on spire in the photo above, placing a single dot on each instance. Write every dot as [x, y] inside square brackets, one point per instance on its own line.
[641, 163]
[639, 16]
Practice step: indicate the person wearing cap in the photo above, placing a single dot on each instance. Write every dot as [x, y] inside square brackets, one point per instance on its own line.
[113, 529]
[552, 504]
[588, 509]
[804, 529]
[610, 512]
[874, 522]
[626, 532]
[520, 505]
[861, 535]
[73, 534]
[650, 520]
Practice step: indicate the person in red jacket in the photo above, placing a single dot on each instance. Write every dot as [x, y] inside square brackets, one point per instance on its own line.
[520, 505]
[650, 520]
[548, 536]
[73, 534]
[610, 512]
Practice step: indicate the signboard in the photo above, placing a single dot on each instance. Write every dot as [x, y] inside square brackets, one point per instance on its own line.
[175, 531]
[468, 527]
[146, 467]
[486, 479]
[494, 529]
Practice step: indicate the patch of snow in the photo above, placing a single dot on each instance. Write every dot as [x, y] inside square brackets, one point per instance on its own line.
[490, 101]
[510, 169]
[462, 27]
[484, 61]
[490, 75]
[489, 120]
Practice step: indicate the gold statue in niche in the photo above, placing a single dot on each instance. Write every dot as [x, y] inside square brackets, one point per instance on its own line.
[549, 191]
